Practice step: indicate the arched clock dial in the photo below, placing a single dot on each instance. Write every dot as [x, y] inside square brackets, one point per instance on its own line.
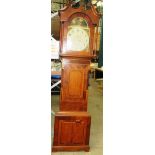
[77, 39]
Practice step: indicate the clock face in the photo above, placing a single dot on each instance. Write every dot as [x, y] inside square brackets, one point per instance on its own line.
[77, 39]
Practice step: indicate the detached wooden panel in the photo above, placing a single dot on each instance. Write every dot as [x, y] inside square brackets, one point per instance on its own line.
[55, 27]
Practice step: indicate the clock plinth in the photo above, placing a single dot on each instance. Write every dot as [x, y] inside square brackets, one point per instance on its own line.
[72, 130]
[78, 34]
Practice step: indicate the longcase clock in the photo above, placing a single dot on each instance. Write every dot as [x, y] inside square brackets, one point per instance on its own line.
[78, 41]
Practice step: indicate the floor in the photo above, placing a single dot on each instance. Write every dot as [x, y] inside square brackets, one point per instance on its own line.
[95, 106]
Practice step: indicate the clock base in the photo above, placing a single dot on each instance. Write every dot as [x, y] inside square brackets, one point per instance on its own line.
[71, 131]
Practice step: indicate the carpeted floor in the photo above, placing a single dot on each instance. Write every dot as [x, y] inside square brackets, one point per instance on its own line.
[95, 108]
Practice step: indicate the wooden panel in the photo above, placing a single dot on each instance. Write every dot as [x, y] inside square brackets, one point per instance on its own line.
[79, 132]
[74, 92]
[72, 131]
[55, 27]
[74, 80]
[76, 83]
[66, 132]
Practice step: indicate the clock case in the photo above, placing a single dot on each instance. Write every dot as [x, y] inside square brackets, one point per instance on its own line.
[72, 122]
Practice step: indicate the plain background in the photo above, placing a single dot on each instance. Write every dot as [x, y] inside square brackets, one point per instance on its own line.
[129, 78]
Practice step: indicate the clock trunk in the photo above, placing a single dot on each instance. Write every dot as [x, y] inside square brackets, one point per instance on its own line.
[74, 89]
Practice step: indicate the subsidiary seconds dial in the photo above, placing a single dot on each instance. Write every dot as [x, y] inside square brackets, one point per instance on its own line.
[77, 39]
